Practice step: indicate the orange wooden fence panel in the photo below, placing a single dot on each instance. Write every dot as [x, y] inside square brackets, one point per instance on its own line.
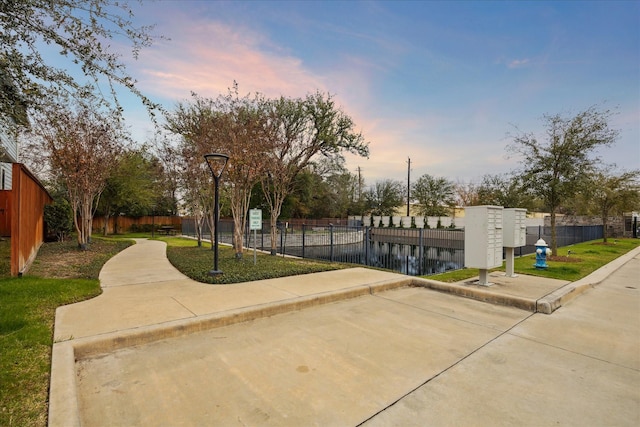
[27, 217]
[124, 223]
[5, 213]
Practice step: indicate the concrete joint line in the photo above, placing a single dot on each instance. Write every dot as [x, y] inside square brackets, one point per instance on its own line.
[184, 306]
[516, 335]
[448, 368]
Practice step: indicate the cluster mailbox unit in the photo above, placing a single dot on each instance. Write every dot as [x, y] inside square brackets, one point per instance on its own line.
[483, 239]
[514, 227]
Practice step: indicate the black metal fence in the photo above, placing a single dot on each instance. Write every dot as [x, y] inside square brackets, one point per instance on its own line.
[565, 234]
[412, 251]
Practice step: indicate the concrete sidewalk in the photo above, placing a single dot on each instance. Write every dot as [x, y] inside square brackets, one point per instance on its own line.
[114, 357]
[142, 288]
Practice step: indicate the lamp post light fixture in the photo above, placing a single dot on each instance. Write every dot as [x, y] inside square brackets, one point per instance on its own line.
[216, 163]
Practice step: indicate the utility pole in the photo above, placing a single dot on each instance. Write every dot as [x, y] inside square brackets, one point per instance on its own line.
[408, 184]
[359, 184]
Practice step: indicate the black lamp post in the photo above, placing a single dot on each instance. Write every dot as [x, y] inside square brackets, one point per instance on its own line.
[217, 163]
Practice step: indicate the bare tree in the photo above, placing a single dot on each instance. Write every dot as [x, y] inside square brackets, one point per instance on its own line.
[466, 193]
[552, 168]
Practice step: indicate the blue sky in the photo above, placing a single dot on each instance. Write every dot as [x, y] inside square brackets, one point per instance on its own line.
[440, 82]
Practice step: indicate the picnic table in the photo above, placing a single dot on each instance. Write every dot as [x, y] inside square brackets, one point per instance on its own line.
[167, 230]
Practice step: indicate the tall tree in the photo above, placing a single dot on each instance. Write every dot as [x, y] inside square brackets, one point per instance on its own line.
[239, 131]
[503, 190]
[130, 188]
[299, 130]
[310, 197]
[81, 30]
[384, 197]
[81, 146]
[611, 192]
[192, 122]
[344, 193]
[232, 125]
[167, 167]
[552, 168]
[435, 196]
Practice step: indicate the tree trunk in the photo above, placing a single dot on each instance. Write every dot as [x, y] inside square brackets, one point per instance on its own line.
[554, 237]
[77, 222]
[238, 224]
[239, 208]
[275, 214]
[107, 216]
[273, 222]
[237, 240]
[197, 222]
[211, 222]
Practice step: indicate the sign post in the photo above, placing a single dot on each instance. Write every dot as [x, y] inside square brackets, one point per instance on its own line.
[255, 224]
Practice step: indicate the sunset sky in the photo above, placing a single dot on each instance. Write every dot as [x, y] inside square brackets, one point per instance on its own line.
[441, 82]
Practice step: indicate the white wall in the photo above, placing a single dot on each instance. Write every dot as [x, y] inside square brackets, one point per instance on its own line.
[8, 154]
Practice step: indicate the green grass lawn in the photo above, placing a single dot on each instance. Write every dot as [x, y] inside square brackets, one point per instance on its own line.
[27, 316]
[585, 258]
[26, 333]
[5, 257]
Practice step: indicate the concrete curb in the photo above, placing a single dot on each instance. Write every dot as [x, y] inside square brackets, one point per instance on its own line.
[547, 304]
[63, 390]
[550, 303]
[523, 303]
[63, 403]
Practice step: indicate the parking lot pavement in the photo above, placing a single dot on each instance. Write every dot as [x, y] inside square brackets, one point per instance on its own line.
[577, 367]
[331, 365]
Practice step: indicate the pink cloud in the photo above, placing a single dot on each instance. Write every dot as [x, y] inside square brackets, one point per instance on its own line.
[206, 57]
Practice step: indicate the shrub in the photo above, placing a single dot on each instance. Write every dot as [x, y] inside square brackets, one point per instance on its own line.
[59, 219]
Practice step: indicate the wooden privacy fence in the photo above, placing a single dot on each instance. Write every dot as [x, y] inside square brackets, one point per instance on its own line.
[123, 224]
[26, 216]
[5, 213]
